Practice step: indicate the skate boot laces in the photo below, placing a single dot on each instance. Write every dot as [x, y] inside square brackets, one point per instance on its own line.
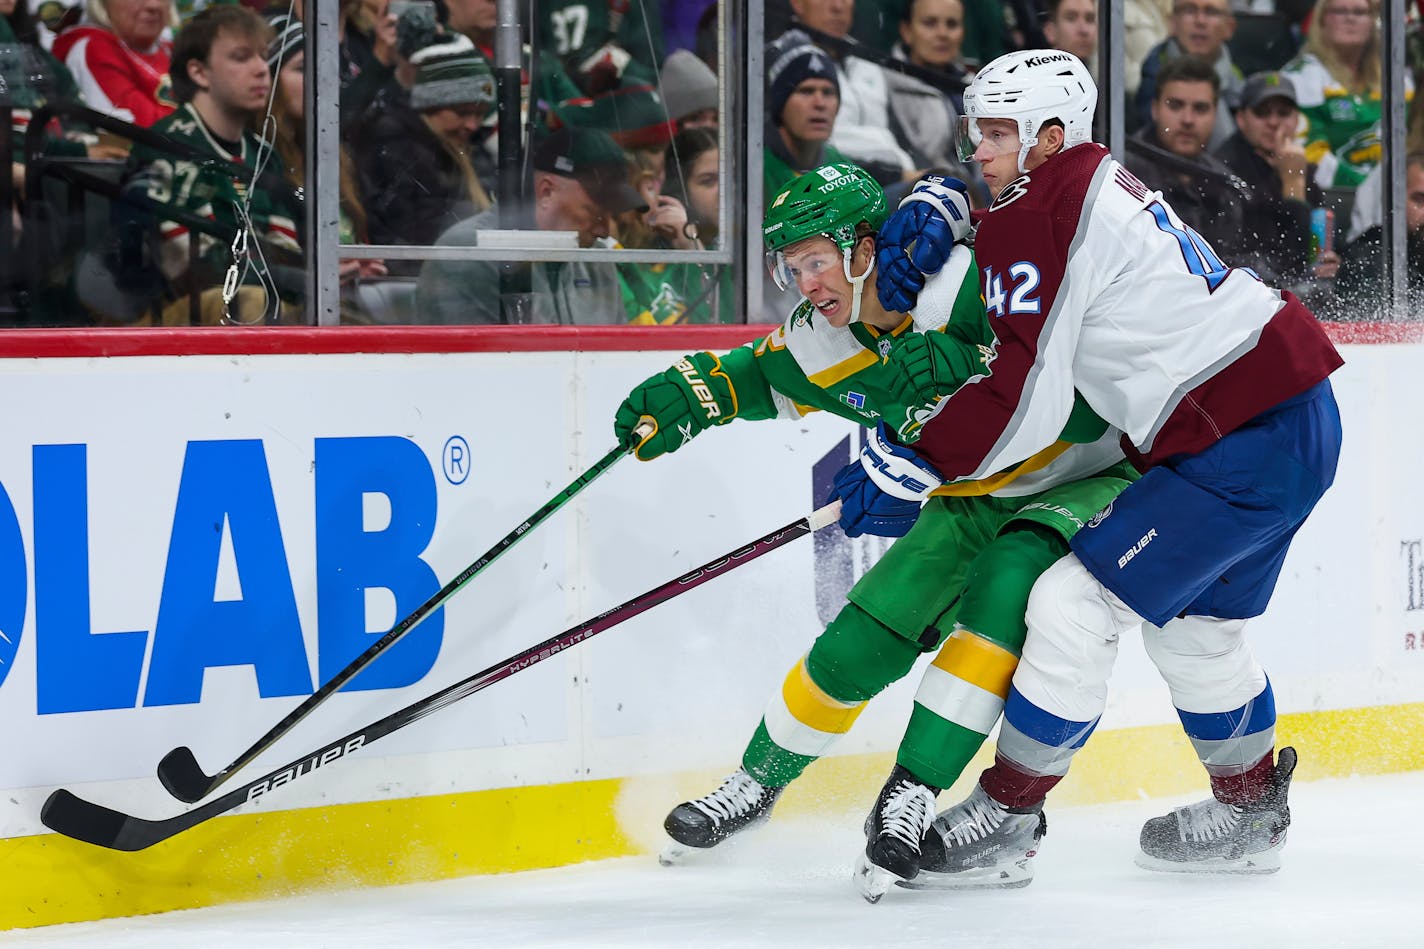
[980, 815]
[1206, 820]
[737, 795]
[907, 812]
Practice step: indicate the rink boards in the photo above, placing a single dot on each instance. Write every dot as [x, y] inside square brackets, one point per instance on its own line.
[193, 538]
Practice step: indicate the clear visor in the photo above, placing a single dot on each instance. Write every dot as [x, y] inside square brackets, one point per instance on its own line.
[989, 140]
[969, 138]
[789, 268]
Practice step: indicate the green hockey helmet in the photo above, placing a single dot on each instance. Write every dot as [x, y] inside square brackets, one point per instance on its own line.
[830, 201]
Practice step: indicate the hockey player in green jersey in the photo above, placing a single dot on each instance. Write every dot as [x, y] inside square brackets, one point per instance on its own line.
[957, 583]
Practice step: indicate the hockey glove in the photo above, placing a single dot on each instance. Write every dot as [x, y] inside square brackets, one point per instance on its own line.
[917, 239]
[929, 366]
[881, 493]
[693, 395]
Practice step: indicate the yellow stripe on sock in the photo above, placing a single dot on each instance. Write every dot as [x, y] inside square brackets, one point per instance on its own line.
[812, 707]
[977, 661]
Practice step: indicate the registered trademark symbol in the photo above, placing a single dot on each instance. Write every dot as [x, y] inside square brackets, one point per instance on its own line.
[455, 459]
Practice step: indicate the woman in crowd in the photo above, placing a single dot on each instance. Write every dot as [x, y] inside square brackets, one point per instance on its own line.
[656, 293]
[689, 208]
[413, 157]
[923, 118]
[287, 58]
[1337, 82]
[119, 57]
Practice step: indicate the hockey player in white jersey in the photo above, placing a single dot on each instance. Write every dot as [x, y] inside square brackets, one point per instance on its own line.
[1219, 383]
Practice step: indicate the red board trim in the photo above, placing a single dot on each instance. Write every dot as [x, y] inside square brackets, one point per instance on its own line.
[229, 341]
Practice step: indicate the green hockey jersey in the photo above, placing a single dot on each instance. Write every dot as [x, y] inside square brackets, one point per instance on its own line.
[807, 365]
[210, 190]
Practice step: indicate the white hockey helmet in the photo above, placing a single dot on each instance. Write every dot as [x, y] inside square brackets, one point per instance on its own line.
[1031, 87]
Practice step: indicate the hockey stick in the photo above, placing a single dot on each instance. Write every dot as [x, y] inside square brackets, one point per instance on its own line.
[104, 827]
[179, 770]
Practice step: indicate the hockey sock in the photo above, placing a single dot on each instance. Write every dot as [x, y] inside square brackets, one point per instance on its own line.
[851, 661]
[1249, 786]
[963, 691]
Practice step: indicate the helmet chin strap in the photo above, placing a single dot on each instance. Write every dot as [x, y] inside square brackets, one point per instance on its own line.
[857, 283]
[1026, 143]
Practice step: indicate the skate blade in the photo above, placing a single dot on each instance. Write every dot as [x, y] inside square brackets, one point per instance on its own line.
[1256, 863]
[873, 882]
[1009, 877]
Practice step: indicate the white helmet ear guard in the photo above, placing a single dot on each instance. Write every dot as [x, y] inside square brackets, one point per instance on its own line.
[1032, 87]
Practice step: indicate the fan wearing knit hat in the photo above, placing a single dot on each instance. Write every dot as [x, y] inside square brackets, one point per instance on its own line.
[803, 96]
[413, 155]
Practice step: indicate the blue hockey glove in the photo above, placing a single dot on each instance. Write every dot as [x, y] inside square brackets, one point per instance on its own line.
[882, 492]
[917, 238]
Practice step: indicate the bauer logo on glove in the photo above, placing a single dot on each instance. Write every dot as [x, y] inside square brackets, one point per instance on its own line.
[693, 395]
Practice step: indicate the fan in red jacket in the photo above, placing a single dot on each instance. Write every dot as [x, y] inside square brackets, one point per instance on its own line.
[119, 56]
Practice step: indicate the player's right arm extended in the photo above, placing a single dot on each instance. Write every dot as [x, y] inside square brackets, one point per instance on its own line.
[697, 392]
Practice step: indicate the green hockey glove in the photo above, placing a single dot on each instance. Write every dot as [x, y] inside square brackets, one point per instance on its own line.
[693, 395]
[929, 366]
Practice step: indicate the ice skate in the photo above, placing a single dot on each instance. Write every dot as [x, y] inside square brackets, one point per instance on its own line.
[1212, 837]
[979, 843]
[893, 831]
[739, 803]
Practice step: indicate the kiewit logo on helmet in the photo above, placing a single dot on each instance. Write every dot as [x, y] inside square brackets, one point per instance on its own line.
[1044, 60]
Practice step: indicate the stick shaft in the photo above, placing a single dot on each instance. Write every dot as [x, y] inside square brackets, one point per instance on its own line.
[173, 781]
[75, 817]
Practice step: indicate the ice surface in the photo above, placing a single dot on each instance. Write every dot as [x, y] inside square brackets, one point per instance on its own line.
[1352, 873]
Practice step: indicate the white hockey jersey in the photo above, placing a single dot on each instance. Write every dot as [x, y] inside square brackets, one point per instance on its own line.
[1092, 282]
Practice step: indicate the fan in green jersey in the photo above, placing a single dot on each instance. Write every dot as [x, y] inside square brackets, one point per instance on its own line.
[958, 580]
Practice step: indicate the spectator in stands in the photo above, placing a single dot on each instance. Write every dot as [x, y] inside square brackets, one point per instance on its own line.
[580, 184]
[120, 58]
[634, 116]
[802, 98]
[924, 118]
[412, 156]
[32, 77]
[689, 88]
[694, 179]
[286, 58]
[1362, 269]
[1337, 82]
[1072, 26]
[1199, 28]
[589, 48]
[1144, 25]
[220, 77]
[476, 19]
[862, 124]
[1195, 183]
[1265, 154]
[367, 56]
[1367, 210]
[657, 293]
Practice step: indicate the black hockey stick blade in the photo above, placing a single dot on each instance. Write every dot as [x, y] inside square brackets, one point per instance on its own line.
[179, 771]
[184, 778]
[72, 816]
[75, 817]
